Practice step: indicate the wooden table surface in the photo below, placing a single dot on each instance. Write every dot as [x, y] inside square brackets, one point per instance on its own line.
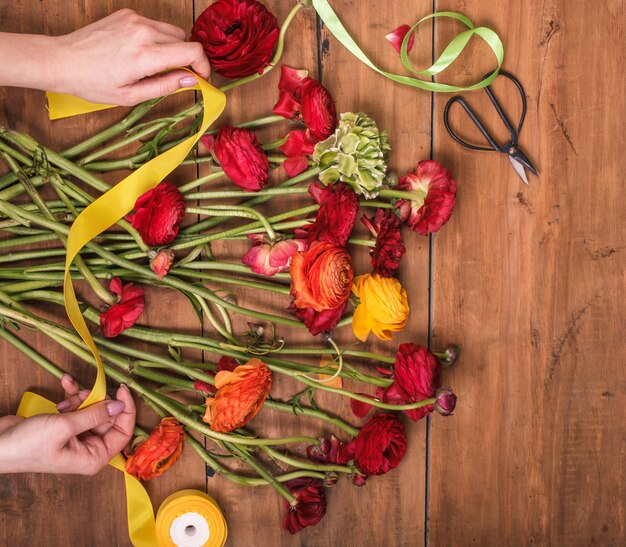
[529, 280]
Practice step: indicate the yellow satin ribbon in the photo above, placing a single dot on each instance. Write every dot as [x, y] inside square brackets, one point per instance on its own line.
[95, 219]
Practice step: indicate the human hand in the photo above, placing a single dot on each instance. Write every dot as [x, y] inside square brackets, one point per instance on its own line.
[118, 60]
[75, 441]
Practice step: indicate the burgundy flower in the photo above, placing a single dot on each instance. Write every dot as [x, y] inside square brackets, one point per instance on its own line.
[331, 451]
[301, 97]
[397, 36]
[126, 312]
[161, 262]
[446, 401]
[267, 258]
[238, 36]
[380, 445]
[435, 193]
[242, 158]
[386, 255]
[298, 146]
[336, 216]
[158, 214]
[310, 504]
[319, 321]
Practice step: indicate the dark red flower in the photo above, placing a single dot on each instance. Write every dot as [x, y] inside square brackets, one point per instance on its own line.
[386, 255]
[301, 97]
[446, 401]
[416, 377]
[238, 36]
[310, 504]
[319, 321]
[331, 451]
[158, 214]
[380, 445]
[126, 312]
[336, 216]
[298, 146]
[242, 158]
[435, 193]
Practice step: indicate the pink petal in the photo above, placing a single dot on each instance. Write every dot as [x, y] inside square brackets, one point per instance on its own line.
[397, 36]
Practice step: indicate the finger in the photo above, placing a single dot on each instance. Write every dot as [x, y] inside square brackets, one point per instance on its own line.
[158, 86]
[169, 56]
[122, 431]
[72, 403]
[9, 421]
[70, 386]
[93, 416]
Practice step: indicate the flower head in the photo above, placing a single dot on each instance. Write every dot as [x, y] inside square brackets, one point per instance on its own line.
[386, 255]
[242, 158]
[161, 262]
[159, 452]
[383, 307]
[435, 194]
[158, 214]
[446, 401]
[126, 312]
[238, 36]
[355, 154]
[310, 504]
[269, 258]
[380, 445]
[336, 216]
[305, 98]
[240, 396]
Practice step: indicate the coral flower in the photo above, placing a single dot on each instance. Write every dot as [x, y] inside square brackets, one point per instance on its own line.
[240, 396]
[126, 312]
[158, 214]
[310, 504]
[154, 456]
[384, 306]
[435, 194]
[270, 258]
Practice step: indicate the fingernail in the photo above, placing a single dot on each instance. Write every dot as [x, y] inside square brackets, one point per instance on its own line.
[69, 378]
[188, 81]
[125, 387]
[115, 407]
[83, 394]
[64, 405]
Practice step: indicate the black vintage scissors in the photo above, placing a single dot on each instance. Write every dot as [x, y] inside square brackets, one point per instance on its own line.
[517, 157]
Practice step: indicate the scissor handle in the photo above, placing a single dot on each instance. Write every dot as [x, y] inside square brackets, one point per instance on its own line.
[475, 119]
[514, 133]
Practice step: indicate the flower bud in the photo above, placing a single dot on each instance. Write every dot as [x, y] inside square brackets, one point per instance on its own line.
[446, 401]
[451, 354]
[331, 479]
[358, 479]
[161, 262]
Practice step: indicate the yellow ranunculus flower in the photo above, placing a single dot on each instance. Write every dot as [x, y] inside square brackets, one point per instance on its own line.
[384, 306]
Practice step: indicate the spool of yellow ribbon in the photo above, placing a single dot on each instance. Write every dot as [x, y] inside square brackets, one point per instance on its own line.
[96, 218]
[190, 518]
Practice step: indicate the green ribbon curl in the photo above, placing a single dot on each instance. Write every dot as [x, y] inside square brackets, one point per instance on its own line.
[449, 55]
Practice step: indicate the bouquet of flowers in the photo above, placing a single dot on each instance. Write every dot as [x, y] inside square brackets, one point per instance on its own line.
[301, 257]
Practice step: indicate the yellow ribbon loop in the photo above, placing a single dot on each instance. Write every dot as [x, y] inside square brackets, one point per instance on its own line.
[95, 219]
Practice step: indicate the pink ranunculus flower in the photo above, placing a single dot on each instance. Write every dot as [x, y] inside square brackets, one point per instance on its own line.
[270, 258]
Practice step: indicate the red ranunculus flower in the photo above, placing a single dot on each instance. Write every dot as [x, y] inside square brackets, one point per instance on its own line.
[331, 451]
[158, 214]
[242, 158]
[380, 445]
[435, 193]
[386, 255]
[306, 98]
[310, 506]
[124, 314]
[319, 321]
[336, 216]
[416, 377]
[238, 36]
[267, 258]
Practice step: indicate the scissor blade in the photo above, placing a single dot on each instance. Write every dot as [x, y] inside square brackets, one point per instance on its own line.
[519, 169]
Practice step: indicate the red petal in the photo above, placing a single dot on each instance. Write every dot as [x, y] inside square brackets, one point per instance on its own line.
[290, 78]
[208, 141]
[295, 166]
[359, 408]
[397, 36]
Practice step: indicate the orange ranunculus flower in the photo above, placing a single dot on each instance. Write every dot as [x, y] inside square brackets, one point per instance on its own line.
[321, 277]
[240, 396]
[154, 456]
[384, 306]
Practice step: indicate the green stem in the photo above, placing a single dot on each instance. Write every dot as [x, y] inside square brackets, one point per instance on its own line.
[288, 408]
[238, 211]
[309, 466]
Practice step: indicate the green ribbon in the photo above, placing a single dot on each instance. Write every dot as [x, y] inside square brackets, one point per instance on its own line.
[450, 53]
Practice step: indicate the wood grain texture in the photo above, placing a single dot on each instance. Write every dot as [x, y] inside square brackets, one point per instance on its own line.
[531, 282]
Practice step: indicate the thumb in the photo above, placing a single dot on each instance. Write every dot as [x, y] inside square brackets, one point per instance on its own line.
[94, 416]
[159, 86]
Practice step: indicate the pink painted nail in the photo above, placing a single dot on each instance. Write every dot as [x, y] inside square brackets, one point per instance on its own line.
[115, 407]
[64, 405]
[188, 81]
[83, 394]
[69, 378]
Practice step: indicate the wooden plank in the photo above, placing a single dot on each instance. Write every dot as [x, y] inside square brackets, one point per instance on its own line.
[530, 281]
[71, 509]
